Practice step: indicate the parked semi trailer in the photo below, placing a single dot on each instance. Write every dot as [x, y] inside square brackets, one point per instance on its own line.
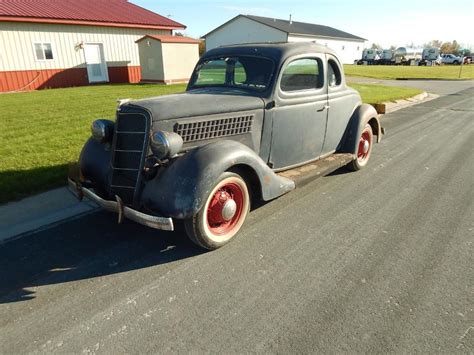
[408, 56]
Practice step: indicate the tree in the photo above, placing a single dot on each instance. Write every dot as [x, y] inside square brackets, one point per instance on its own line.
[376, 46]
[435, 43]
[179, 34]
[202, 47]
[392, 47]
[450, 47]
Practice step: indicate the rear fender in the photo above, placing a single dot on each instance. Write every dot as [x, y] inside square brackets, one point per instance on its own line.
[362, 115]
[181, 189]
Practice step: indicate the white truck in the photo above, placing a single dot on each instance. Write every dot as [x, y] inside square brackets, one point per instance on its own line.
[450, 59]
[430, 56]
[369, 56]
[387, 57]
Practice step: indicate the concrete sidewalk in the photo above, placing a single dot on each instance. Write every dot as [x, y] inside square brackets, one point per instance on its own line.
[39, 211]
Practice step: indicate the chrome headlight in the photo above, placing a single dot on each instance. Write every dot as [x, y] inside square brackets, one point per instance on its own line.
[165, 144]
[102, 130]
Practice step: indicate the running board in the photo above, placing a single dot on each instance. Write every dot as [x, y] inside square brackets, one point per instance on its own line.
[309, 172]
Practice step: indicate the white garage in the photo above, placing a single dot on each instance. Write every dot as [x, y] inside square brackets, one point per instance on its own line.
[253, 29]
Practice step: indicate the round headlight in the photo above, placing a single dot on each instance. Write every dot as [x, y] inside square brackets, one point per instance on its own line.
[102, 130]
[165, 144]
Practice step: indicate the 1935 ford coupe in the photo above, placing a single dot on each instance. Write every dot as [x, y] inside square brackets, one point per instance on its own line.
[252, 118]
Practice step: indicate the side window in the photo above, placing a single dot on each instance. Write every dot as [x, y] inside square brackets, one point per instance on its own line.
[240, 76]
[302, 74]
[334, 74]
[43, 51]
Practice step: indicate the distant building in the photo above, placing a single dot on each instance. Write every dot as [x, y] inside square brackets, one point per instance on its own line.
[58, 43]
[252, 29]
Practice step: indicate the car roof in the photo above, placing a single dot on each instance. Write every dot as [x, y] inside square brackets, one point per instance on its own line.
[277, 51]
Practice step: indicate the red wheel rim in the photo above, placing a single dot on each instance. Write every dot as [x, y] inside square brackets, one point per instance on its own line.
[215, 221]
[365, 145]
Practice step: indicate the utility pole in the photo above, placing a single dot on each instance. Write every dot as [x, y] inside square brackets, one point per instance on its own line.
[462, 63]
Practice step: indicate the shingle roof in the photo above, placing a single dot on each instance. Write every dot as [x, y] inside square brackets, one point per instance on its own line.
[303, 28]
[170, 39]
[297, 28]
[119, 13]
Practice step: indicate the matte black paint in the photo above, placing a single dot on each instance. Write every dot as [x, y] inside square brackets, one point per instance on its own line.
[361, 116]
[182, 185]
[201, 102]
[181, 189]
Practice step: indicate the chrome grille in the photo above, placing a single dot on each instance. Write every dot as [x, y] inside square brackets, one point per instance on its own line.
[208, 129]
[128, 155]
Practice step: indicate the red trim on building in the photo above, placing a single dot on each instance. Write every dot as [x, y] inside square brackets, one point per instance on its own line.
[57, 78]
[87, 23]
[129, 74]
[167, 82]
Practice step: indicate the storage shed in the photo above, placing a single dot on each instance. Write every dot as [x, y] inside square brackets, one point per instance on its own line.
[167, 59]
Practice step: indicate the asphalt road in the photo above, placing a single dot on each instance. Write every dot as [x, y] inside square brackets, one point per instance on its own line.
[376, 261]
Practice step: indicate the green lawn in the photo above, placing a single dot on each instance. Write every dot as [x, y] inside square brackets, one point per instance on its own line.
[410, 72]
[375, 94]
[43, 131]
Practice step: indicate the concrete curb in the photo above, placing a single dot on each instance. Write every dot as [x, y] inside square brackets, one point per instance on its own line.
[392, 106]
[40, 211]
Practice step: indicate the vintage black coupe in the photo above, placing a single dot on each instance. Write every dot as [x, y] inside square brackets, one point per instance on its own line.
[254, 120]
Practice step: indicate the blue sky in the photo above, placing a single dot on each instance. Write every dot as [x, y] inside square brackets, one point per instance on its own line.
[398, 22]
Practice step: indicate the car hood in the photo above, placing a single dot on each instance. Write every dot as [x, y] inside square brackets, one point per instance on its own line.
[197, 103]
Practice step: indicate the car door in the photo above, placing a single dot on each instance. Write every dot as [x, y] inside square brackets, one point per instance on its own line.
[300, 112]
[341, 101]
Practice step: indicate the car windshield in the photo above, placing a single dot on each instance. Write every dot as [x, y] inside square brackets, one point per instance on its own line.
[245, 72]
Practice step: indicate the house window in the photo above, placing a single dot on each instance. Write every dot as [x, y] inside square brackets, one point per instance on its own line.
[343, 47]
[43, 51]
[358, 47]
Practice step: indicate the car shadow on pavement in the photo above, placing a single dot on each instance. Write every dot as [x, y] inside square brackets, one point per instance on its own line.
[88, 247]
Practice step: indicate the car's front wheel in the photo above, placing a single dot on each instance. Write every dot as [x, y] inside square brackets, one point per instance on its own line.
[223, 213]
[364, 149]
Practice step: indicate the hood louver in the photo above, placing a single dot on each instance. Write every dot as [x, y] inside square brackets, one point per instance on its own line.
[214, 128]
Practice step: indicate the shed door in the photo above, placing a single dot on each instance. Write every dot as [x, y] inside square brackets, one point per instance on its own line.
[96, 66]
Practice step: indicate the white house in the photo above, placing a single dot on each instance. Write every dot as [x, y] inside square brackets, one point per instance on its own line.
[58, 43]
[253, 29]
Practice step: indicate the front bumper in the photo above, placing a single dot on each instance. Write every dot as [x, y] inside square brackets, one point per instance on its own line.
[123, 211]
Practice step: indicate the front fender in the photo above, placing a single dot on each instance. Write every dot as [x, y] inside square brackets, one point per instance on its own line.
[362, 115]
[94, 163]
[182, 188]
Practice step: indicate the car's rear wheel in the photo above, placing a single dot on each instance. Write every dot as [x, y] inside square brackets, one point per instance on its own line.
[223, 213]
[364, 149]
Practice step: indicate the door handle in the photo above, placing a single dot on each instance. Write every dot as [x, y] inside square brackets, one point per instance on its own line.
[324, 108]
